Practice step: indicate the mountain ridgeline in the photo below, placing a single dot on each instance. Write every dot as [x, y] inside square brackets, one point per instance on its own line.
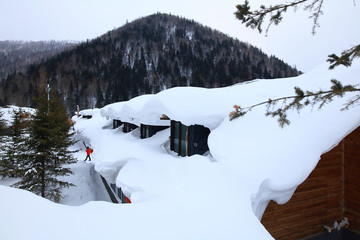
[145, 56]
[16, 56]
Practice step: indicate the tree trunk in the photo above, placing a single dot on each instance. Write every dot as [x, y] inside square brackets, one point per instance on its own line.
[43, 178]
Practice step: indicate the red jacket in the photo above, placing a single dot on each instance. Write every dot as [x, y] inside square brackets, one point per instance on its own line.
[89, 151]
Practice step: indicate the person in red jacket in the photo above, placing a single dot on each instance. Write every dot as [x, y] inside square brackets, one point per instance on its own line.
[88, 152]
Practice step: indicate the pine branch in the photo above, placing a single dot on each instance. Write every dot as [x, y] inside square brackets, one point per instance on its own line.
[255, 19]
[300, 100]
[316, 14]
[345, 58]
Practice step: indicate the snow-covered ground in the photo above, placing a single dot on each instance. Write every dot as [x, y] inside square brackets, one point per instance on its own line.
[220, 195]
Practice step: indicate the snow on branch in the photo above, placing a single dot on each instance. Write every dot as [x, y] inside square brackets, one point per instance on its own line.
[300, 100]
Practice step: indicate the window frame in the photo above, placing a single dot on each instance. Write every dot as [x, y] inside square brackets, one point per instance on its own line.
[177, 144]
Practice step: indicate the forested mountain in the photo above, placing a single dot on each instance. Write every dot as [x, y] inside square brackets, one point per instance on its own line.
[16, 56]
[145, 56]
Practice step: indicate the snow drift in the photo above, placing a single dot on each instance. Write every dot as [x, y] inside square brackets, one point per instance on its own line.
[221, 195]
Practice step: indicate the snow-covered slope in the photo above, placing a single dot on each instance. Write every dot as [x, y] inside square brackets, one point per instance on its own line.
[218, 196]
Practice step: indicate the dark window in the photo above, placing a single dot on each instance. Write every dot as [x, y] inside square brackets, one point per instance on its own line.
[145, 131]
[188, 140]
[184, 140]
[116, 123]
[113, 186]
[121, 195]
[176, 136]
[128, 127]
[198, 136]
[179, 138]
[149, 130]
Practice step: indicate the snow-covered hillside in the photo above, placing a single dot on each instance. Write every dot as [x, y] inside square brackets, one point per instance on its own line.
[220, 195]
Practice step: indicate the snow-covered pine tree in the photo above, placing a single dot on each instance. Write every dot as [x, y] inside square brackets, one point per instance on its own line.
[62, 138]
[3, 138]
[2, 124]
[14, 147]
[48, 152]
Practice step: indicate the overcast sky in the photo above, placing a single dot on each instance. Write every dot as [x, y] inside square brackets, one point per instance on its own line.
[291, 41]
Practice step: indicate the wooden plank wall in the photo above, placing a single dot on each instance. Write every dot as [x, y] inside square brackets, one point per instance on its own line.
[352, 179]
[331, 192]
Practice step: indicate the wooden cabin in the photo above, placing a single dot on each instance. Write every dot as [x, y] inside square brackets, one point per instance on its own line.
[128, 127]
[188, 140]
[331, 194]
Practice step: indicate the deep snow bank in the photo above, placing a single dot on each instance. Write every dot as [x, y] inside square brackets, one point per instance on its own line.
[218, 196]
[277, 160]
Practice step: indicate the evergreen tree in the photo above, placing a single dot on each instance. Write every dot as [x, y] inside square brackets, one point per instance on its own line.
[15, 146]
[99, 96]
[2, 123]
[48, 149]
[3, 139]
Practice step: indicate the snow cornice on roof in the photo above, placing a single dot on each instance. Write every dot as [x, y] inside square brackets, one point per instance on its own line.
[255, 139]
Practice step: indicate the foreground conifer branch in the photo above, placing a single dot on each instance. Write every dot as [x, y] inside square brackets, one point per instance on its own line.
[345, 58]
[255, 20]
[298, 101]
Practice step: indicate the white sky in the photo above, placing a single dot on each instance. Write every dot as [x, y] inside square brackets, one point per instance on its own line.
[79, 20]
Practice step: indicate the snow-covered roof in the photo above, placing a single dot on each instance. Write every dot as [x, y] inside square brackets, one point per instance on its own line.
[127, 111]
[254, 137]
[210, 107]
[89, 112]
[217, 196]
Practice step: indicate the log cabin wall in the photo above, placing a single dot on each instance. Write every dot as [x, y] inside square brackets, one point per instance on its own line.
[331, 192]
[352, 179]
